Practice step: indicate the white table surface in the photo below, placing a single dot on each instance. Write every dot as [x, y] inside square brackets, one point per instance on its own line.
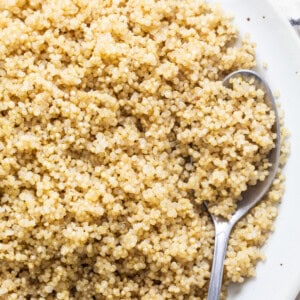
[291, 10]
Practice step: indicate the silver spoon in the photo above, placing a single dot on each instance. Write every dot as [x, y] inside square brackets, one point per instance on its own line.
[250, 197]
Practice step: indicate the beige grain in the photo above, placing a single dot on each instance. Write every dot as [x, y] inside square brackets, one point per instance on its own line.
[113, 121]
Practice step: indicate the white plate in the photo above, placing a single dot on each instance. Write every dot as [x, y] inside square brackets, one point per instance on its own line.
[278, 278]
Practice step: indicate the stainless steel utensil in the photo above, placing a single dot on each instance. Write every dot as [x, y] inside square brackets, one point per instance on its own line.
[250, 197]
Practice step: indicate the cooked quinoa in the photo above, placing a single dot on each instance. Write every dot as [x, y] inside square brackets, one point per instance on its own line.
[114, 128]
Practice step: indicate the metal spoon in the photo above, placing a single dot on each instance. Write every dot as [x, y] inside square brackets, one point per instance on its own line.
[250, 197]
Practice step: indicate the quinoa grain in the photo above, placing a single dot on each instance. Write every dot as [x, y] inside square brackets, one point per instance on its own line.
[114, 121]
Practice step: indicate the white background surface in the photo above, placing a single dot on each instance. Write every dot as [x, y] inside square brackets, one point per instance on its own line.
[278, 278]
[289, 8]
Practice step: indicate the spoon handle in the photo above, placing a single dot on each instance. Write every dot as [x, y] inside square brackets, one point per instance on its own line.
[222, 232]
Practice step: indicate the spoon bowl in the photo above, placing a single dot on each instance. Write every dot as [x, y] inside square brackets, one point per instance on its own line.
[251, 196]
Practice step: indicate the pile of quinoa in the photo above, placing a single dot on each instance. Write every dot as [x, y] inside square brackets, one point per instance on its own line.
[114, 128]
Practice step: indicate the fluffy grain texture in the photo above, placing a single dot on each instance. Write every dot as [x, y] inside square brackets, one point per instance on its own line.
[114, 123]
